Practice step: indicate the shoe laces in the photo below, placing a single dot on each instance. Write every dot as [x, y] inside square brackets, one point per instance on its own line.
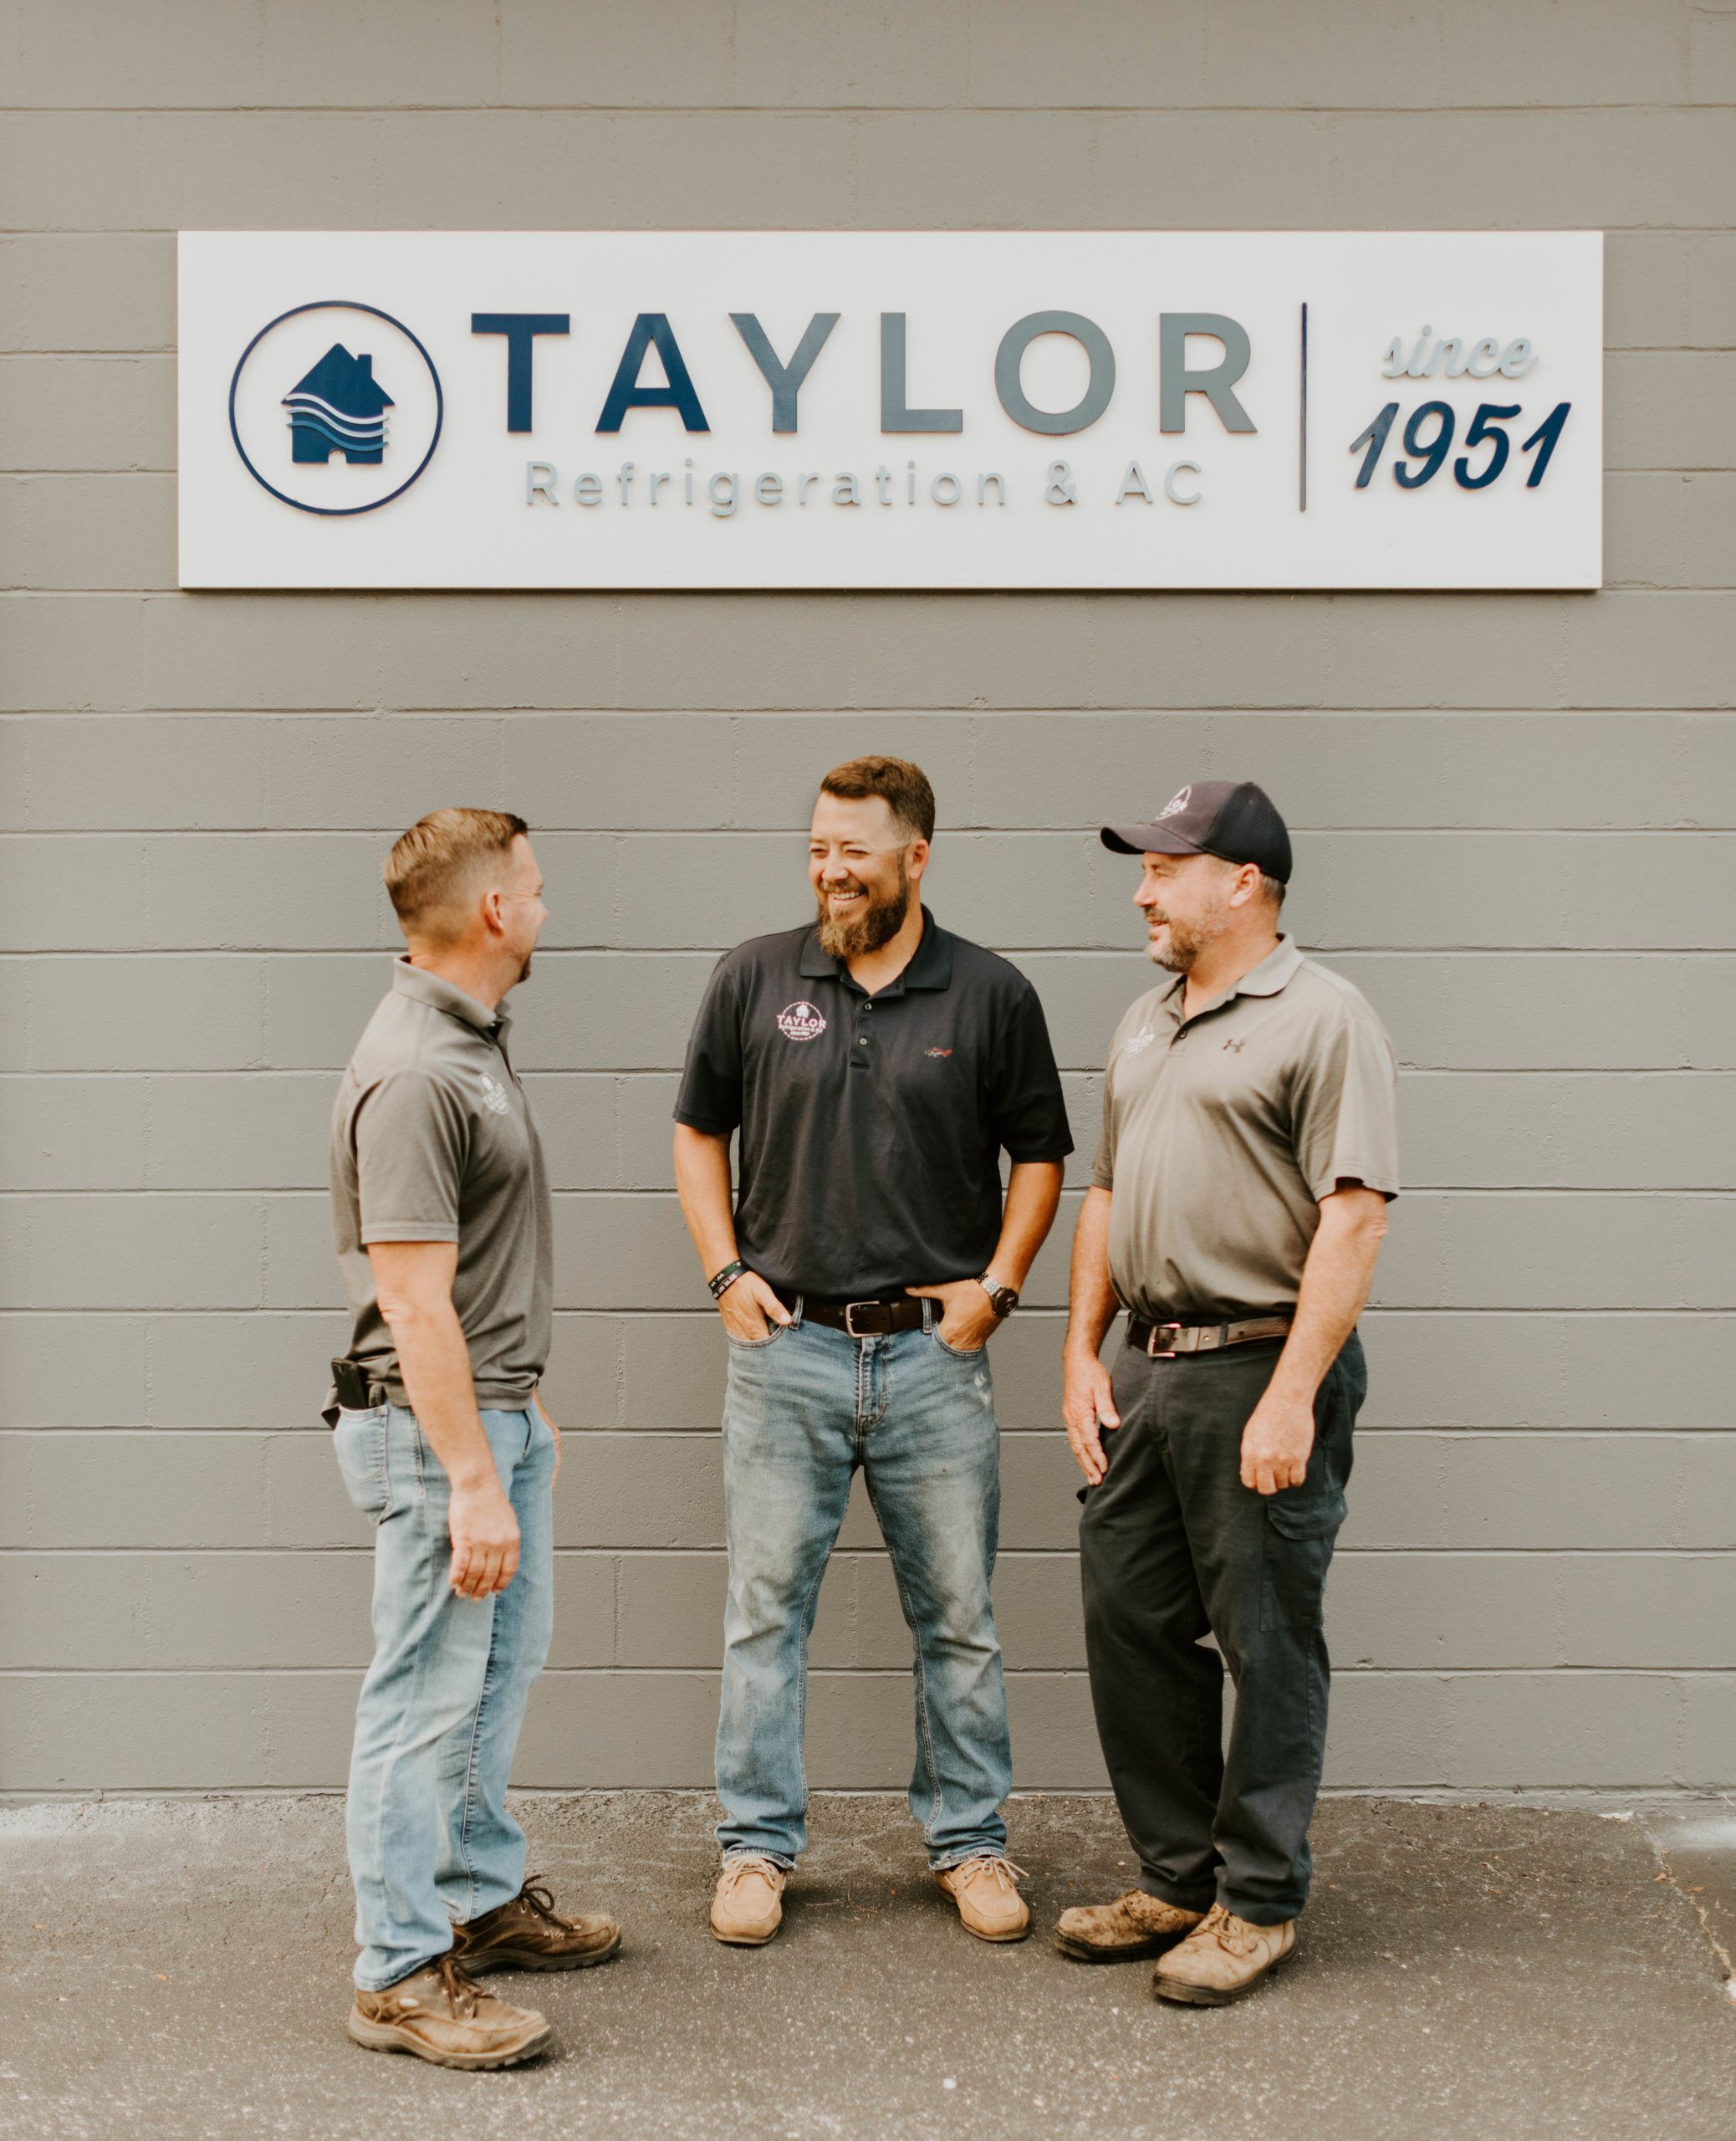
[462, 1993]
[540, 1899]
[1233, 1934]
[740, 1864]
[990, 1865]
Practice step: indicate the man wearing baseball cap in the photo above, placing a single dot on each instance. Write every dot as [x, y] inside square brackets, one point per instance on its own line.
[1237, 1207]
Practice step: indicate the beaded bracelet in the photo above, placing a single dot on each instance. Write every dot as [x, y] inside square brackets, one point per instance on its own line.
[720, 1282]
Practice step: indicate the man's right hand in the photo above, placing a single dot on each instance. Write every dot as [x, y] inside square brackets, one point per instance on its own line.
[1088, 1412]
[749, 1308]
[485, 1538]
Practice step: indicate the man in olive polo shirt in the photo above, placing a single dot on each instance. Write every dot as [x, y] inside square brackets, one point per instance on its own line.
[876, 1067]
[1236, 1207]
[440, 1204]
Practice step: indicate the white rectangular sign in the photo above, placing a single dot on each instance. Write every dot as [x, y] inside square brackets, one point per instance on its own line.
[878, 409]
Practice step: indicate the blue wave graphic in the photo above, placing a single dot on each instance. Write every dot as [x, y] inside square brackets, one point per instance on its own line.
[303, 421]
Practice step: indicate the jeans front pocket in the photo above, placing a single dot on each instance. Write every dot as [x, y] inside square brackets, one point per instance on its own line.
[957, 1352]
[358, 1440]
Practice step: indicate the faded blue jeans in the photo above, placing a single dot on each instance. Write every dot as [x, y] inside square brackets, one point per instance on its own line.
[429, 1836]
[805, 1408]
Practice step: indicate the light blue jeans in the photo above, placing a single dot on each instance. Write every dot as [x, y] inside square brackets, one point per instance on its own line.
[429, 1836]
[804, 1407]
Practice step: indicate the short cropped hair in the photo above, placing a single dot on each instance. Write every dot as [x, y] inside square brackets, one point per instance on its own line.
[903, 788]
[430, 867]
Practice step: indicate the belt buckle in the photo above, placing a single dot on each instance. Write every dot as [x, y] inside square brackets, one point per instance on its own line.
[1160, 1330]
[849, 1315]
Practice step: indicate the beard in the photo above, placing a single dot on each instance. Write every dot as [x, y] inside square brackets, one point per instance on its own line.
[877, 922]
[1185, 944]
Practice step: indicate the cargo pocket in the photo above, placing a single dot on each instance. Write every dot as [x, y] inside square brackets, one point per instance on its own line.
[359, 1440]
[1298, 1551]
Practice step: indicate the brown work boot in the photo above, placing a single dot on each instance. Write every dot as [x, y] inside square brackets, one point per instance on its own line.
[441, 2016]
[986, 1890]
[529, 1934]
[748, 1903]
[1133, 1925]
[1223, 1957]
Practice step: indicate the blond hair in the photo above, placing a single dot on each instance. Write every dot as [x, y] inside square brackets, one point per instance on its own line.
[433, 865]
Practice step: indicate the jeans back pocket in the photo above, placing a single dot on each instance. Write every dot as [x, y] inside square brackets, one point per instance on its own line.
[358, 1440]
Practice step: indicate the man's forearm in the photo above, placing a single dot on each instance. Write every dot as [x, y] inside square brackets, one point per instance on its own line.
[1091, 1302]
[434, 1363]
[1336, 1279]
[702, 1183]
[1034, 1194]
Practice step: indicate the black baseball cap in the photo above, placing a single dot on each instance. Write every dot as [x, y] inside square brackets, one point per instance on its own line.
[1233, 819]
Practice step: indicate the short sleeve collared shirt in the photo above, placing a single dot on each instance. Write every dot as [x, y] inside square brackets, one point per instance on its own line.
[1221, 1132]
[871, 1127]
[432, 1140]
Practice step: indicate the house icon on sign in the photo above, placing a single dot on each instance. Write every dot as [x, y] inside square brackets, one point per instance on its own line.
[340, 404]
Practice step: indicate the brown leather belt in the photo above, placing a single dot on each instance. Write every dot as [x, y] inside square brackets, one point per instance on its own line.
[876, 1318]
[1162, 1341]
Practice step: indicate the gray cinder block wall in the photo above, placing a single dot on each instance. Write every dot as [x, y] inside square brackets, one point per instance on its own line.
[1515, 817]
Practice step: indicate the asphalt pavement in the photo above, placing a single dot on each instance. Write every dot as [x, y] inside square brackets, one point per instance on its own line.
[178, 1970]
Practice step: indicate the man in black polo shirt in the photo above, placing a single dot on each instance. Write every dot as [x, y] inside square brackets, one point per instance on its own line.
[875, 1067]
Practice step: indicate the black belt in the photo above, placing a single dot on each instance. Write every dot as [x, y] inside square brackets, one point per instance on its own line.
[875, 1318]
[1162, 1341]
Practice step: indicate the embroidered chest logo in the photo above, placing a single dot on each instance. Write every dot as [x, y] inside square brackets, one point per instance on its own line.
[1238, 1045]
[1135, 1042]
[494, 1097]
[801, 1021]
[936, 1051]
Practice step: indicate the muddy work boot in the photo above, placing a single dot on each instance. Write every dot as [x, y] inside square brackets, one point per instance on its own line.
[1223, 1957]
[1132, 1926]
[440, 2015]
[529, 1934]
[748, 1903]
[986, 1890]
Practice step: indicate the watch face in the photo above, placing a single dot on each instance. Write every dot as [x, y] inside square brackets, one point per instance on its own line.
[1003, 1300]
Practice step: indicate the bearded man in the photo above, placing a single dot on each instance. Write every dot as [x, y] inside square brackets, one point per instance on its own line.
[875, 1067]
[1237, 1202]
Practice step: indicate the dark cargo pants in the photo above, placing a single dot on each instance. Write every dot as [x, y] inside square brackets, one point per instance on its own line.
[1172, 1544]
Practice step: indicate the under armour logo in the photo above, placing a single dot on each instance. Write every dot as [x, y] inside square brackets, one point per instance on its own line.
[1238, 1045]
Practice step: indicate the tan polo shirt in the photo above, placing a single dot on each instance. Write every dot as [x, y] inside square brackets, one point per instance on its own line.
[432, 1140]
[1221, 1132]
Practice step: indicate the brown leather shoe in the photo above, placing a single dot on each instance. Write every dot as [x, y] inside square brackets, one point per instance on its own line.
[1133, 1925]
[748, 1903]
[441, 2016]
[529, 1934]
[1223, 1957]
[986, 1890]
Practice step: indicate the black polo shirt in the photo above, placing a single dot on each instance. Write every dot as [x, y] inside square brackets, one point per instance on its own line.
[871, 1127]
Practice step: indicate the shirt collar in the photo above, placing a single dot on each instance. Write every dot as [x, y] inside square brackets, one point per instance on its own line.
[931, 965]
[1274, 972]
[432, 988]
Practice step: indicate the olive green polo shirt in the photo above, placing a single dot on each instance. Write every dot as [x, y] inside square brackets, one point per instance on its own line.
[1221, 1132]
[432, 1140]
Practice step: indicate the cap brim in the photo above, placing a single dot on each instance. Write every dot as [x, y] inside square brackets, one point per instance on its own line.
[1147, 840]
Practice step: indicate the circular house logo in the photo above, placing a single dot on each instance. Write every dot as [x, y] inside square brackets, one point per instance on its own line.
[335, 407]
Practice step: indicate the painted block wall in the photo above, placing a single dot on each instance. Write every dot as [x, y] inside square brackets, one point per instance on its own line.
[1516, 822]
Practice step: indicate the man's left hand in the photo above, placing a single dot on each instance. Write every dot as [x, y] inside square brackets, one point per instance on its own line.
[1276, 1442]
[967, 1320]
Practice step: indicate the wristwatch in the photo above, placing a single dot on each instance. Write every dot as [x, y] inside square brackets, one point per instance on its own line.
[1003, 1300]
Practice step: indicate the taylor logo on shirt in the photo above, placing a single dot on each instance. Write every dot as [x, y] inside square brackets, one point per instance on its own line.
[1176, 803]
[1135, 1042]
[801, 1021]
[494, 1097]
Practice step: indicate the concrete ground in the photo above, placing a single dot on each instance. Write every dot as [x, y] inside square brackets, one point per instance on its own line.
[177, 1970]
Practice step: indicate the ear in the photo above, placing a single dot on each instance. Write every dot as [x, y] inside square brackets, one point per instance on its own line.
[1248, 883]
[917, 862]
[492, 910]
